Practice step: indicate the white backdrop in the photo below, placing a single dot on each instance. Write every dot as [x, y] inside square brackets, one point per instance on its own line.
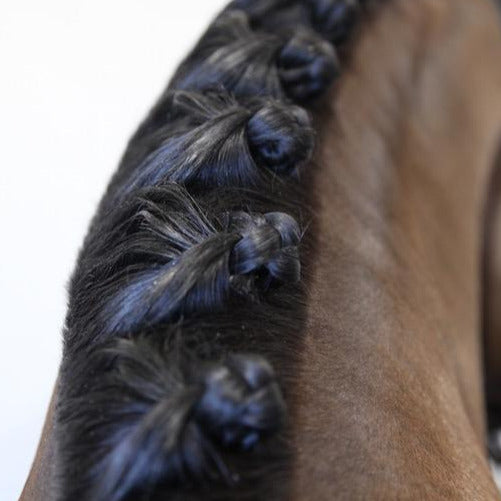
[75, 80]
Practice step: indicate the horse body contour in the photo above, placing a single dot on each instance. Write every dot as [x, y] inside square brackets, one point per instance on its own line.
[391, 398]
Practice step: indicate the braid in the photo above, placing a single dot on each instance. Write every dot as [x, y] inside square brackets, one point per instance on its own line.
[144, 274]
[191, 263]
[231, 55]
[212, 140]
[332, 19]
[175, 414]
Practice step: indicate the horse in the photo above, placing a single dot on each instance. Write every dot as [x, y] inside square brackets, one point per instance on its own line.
[366, 373]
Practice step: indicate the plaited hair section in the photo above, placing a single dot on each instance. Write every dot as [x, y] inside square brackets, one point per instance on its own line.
[163, 256]
[299, 65]
[210, 139]
[334, 20]
[167, 417]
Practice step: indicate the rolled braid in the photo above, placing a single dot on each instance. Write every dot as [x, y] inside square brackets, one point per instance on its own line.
[165, 257]
[166, 416]
[210, 139]
[299, 66]
[332, 19]
[138, 418]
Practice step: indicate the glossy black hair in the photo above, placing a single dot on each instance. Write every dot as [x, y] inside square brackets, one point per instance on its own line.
[211, 139]
[165, 415]
[139, 268]
[186, 305]
[297, 64]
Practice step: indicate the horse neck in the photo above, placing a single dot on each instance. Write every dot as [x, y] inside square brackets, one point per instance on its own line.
[390, 389]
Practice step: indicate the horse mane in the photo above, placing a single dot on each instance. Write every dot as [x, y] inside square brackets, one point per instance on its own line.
[186, 307]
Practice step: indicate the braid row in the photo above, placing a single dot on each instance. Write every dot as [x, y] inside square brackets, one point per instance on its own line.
[179, 238]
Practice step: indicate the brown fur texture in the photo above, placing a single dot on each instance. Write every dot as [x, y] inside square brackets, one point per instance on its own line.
[390, 400]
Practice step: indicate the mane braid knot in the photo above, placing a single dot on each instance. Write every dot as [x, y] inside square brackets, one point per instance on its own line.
[268, 242]
[219, 141]
[180, 414]
[297, 66]
[332, 19]
[187, 261]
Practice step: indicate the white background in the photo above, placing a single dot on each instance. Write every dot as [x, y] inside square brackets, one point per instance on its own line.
[75, 80]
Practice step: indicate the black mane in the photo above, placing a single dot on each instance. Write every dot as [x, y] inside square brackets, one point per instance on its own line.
[186, 306]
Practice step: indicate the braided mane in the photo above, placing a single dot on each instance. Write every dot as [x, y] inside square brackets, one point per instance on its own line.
[186, 303]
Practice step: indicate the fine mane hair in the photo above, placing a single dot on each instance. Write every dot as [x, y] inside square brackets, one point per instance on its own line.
[186, 307]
